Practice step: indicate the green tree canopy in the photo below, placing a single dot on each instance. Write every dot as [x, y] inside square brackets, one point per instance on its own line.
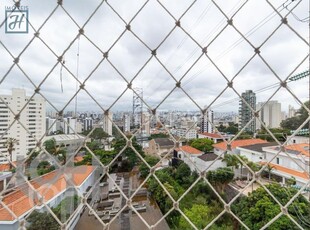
[97, 134]
[203, 144]
[220, 178]
[294, 123]
[259, 208]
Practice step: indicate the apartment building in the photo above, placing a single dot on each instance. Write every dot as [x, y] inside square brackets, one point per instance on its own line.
[245, 113]
[270, 114]
[31, 113]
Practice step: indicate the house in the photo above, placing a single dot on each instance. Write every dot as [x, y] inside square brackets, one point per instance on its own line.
[255, 152]
[53, 187]
[188, 151]
[160, 146]
[292, 161]
[207, 161]
[198, 160]
[215, 137]
[298, 139]
[220, 148]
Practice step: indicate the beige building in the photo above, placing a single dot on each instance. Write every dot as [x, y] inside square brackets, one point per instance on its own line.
[32, 117]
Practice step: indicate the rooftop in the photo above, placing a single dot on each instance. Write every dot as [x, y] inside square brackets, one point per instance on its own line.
[208, 157]
[22, 198]
[239, 143]
[290, 172]
[212, 135]
[259, 147]
[164, 142]
[296, 149]
[189, 149]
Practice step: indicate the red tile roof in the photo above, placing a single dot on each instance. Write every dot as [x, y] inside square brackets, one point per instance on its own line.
[6, 167]
[239, 143]
[189, 149]
[289, 171]
[212, 135]
[302, 148]
[48, 186]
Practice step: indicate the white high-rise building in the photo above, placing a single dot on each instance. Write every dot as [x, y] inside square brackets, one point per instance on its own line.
[291, 111]
[126, 123]
[270, 114]
[107, 123]
[206, 120]
[32, 117]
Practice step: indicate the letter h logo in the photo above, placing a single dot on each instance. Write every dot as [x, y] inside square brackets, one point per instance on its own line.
[16, 21]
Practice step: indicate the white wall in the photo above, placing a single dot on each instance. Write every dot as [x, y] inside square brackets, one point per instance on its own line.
[203, 165]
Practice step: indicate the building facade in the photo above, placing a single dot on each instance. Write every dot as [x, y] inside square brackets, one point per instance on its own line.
[206, 122]
[270, 114]
[245, 113]
[31, 113]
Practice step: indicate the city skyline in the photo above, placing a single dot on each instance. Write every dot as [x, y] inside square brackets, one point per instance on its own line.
[178, 53]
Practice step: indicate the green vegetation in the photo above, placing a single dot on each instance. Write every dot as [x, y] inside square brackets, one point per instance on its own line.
[220, 178]
[294, 123]
[128, 159]
[232, 128]
[58, 151]
[144, 170]
[200, 204]
[203, 144]
[259, 208]
[44, 167]
[97, 134]
[159, 135]
[42, 220]
[280, 134]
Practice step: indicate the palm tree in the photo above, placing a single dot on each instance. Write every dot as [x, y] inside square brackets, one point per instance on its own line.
[269, 169]
[9, 144]
[245, 160]
[56, 150]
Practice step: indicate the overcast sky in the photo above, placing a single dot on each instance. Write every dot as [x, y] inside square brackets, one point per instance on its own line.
[283, 51]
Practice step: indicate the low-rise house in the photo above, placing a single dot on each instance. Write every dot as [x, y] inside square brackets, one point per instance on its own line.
[220, 148]
[187, 151]
[53, 187]
[215, 137]
[292, 161]
[255, 152]
[160, 146]
[198, 160]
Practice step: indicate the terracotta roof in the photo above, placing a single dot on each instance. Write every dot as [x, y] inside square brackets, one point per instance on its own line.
[292, 172]
[239, 143]
[6, 167]
[212, 135]
[301, 148]
[78, 159]
[189, 149]
[48, 186]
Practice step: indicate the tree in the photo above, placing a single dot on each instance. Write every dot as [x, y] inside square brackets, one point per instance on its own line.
[231, 161]
[10, 146]
[42, 220]
[269, 169]
[144, 169]
[203, 144]
[199, 215]
[183, 175]
[58, 151]
[294, 123]
[259, 208]
[97, 134]
[220, 178]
